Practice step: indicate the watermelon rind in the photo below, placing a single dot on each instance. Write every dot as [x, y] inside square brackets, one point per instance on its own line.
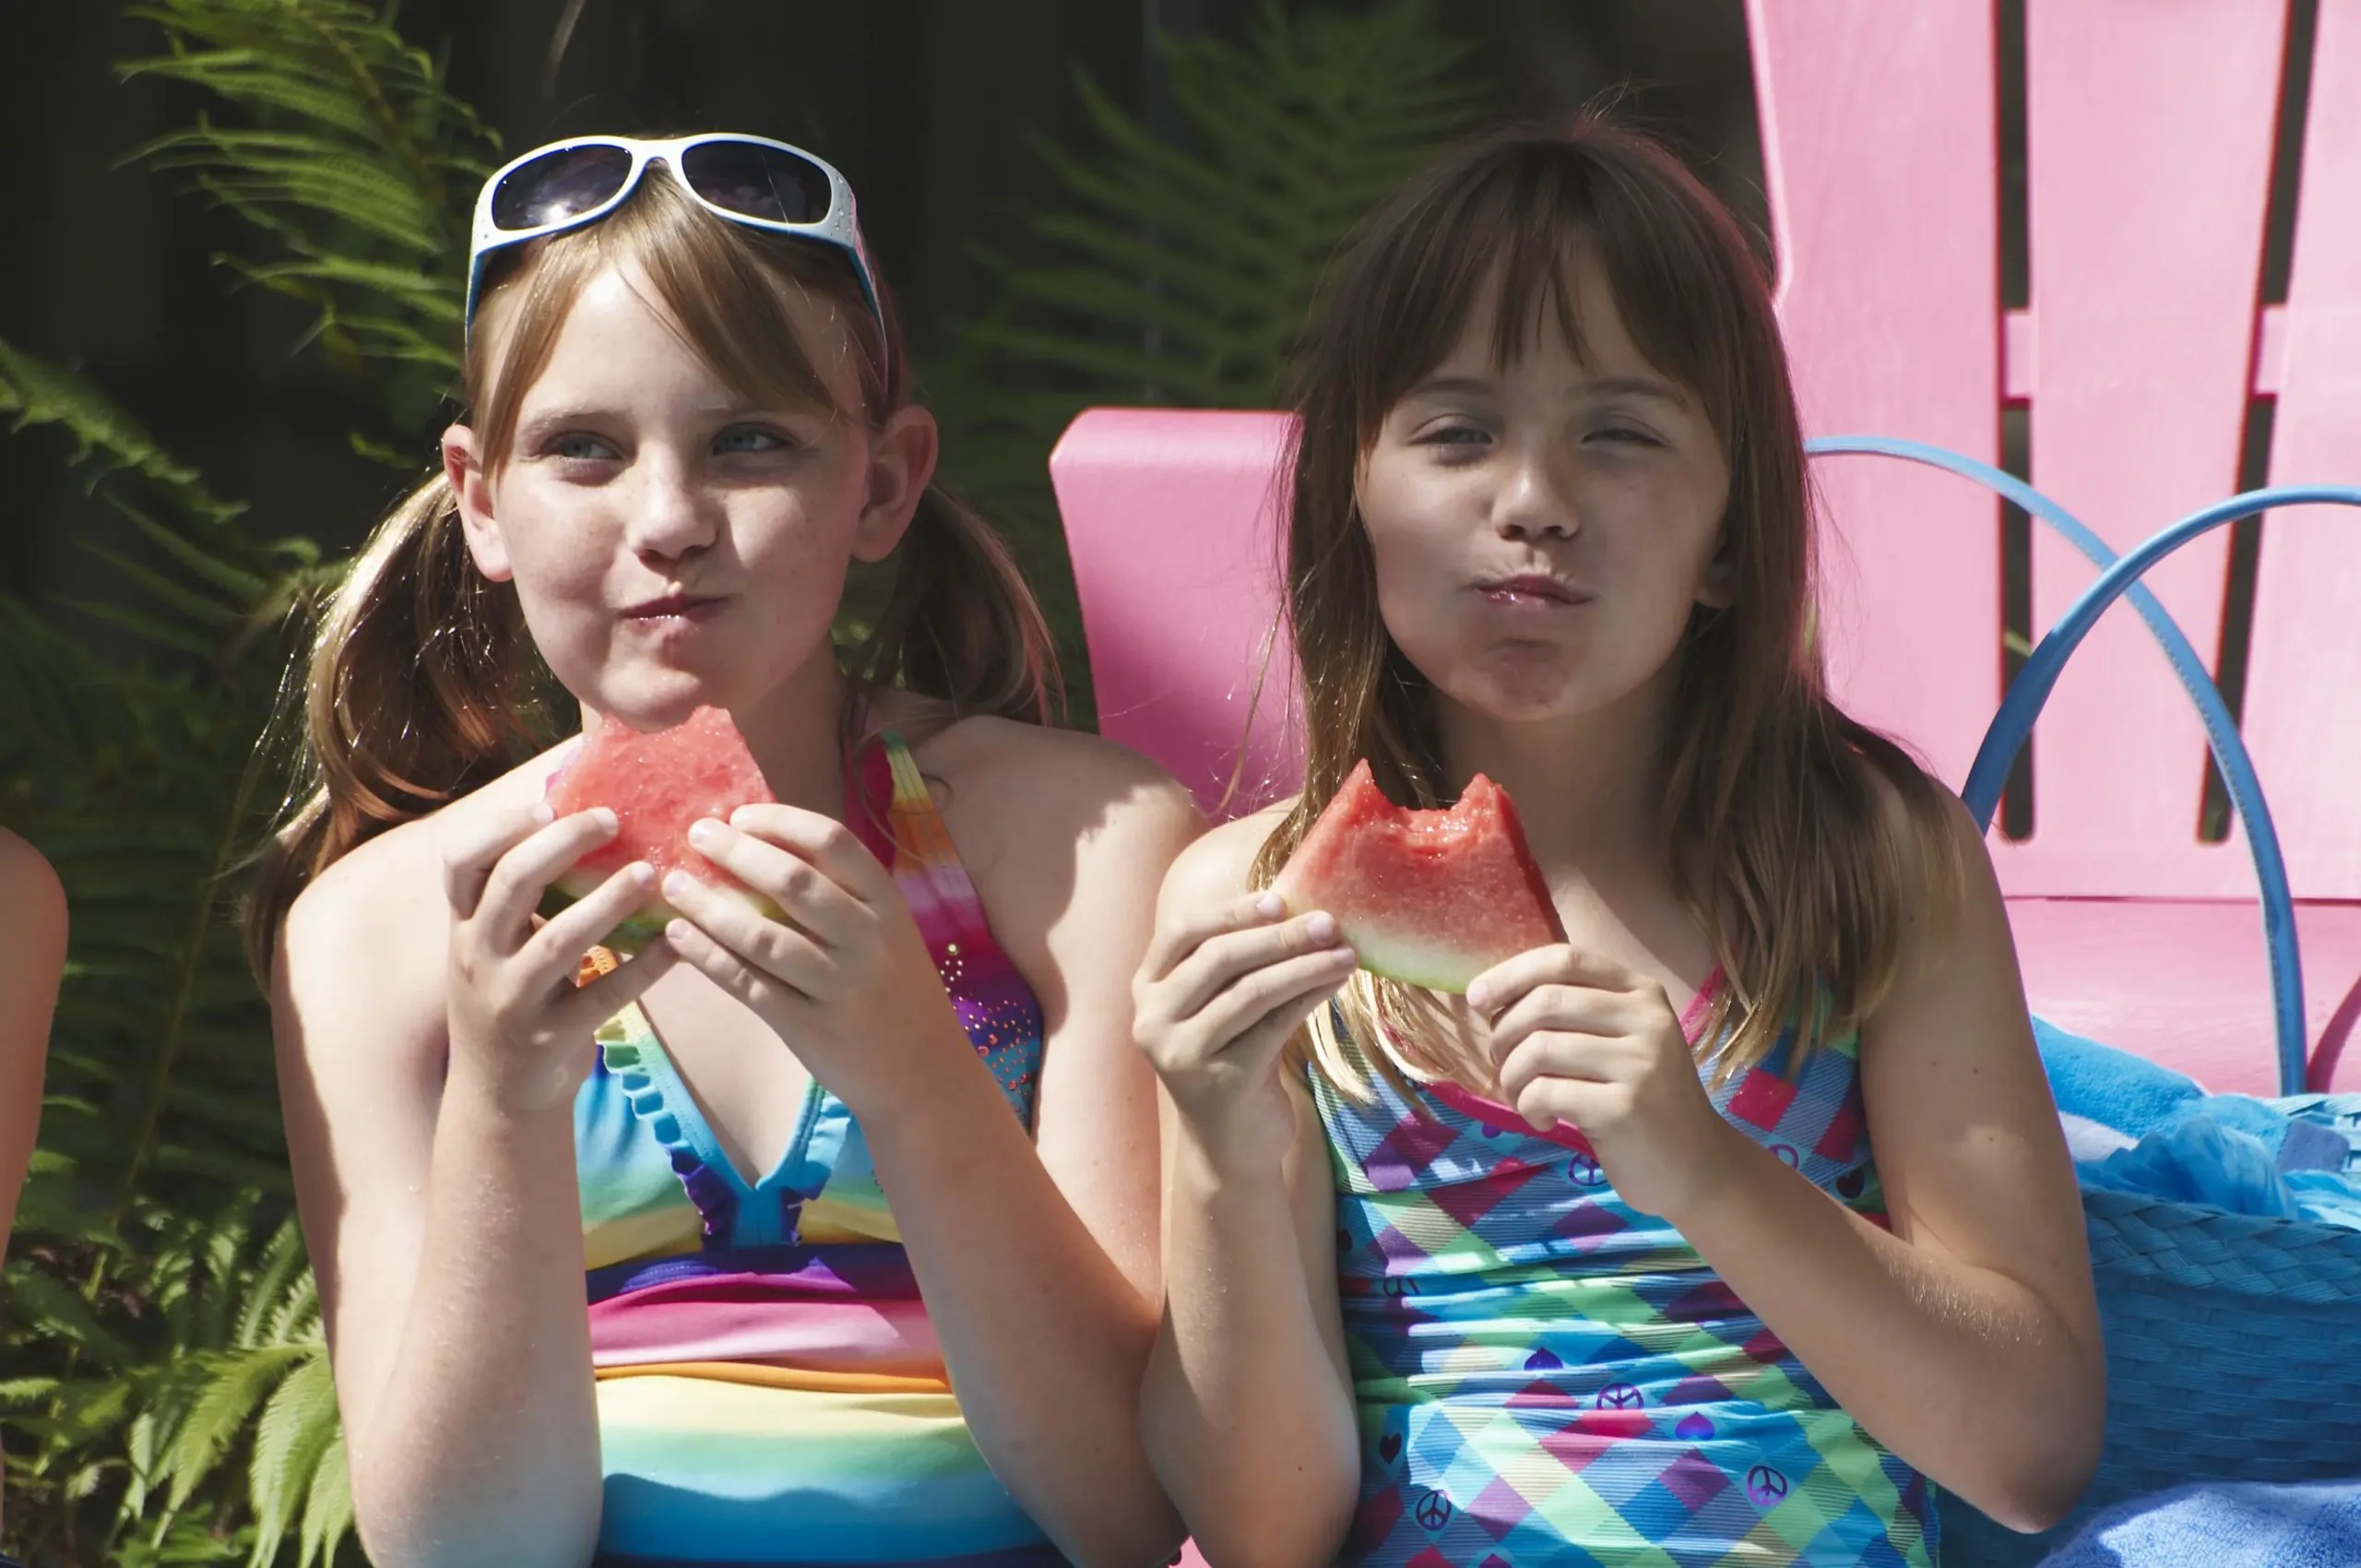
[644, 925]
[1409, 962]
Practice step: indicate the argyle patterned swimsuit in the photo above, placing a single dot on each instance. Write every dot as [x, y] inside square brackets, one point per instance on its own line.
[1548, 1375]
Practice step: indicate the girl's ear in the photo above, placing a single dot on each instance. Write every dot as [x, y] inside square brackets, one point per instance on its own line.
[463, 467]
[1717, 586]
[901, 465]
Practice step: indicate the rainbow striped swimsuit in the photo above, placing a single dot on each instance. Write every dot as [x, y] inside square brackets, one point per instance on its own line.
[1548, 1375]
[770, 1390]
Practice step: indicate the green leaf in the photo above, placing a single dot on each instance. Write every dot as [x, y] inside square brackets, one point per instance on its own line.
[38, 393]
[295, 1437]
[327, 1509]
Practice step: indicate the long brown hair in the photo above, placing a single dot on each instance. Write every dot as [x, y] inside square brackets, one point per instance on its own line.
[422, 685]
[1774, 820]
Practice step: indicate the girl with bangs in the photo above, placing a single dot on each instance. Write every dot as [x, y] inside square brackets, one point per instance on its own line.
[862, 1199]
[1718, 1232]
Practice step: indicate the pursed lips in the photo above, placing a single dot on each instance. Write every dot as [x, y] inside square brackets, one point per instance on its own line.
[1532, 586]
[672, 604]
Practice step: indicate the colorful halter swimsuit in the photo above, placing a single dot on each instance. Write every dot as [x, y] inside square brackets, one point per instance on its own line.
[770, 1390]
[1548, 1375]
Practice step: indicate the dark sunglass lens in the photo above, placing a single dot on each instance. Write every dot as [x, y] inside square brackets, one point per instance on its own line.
[759, 181]
[563, 184]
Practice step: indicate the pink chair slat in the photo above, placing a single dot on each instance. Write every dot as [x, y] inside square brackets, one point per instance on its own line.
[2183, 982]
[1170, 519]
[2149, 136]
[2302, 718]
[1879, 153]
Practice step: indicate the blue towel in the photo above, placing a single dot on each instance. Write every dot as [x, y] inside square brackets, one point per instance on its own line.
[2198, 1158]
[2136, 1127]
[2226, 1524]
[2112, 1088]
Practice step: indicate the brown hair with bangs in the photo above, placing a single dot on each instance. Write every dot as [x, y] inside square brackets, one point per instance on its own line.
[1778, 820]
[420, 683]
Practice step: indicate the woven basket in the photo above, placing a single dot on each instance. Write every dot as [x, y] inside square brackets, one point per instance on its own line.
[2233, 1353]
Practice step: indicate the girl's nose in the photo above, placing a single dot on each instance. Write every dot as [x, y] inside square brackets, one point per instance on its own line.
[670, 515]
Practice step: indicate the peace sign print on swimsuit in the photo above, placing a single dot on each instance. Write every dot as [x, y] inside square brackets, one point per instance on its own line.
[1765, 1487]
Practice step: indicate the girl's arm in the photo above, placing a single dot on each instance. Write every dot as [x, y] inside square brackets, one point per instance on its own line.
[32, 961]
[1037, 1259]
[1966, 1339]
[1249, 1404]
[439, 1202]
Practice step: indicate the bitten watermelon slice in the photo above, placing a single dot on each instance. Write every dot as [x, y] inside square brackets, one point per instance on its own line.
[1429, 897]
[656, 784]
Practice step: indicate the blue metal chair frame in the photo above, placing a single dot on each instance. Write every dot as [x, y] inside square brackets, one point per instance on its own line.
[2120, 577]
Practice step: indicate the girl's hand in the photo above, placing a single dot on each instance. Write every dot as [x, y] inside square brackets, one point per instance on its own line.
[845, 979]
[1218, 994]
[1577, 1040]
[520, 1028]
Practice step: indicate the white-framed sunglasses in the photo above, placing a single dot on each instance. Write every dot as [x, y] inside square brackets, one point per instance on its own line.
[749, 179]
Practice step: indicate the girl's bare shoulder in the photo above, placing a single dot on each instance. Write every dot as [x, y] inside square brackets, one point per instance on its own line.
[376, 923]
[1221, 864]
[32, 918]
[1028, 787]
[28, 882]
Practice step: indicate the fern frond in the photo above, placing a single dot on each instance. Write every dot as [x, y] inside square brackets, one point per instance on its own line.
[299, 1434]
[345, 150]
[36, 393]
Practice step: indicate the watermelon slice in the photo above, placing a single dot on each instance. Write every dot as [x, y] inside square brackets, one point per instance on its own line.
[656, 784]
[1432, 898]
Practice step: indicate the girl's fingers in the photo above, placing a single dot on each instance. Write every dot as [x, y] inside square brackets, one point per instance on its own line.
[1579, 1009]
[469, 858]
[1555, 1054]
[815, 900]
[521, 876]
[1178, 938]
[780, 951]
[1546, 1102]
[769, 996]
[827, 845]
[1262, 1040]
[1229, 1023]
[578, 1015]
[553, 952]
[1227, 959]
[1559, 963]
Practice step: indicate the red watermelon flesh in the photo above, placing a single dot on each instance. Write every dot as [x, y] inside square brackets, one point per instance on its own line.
[1428, 897]
[656, 784]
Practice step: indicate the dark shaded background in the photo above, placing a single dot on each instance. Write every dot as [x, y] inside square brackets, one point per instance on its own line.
[926, 105]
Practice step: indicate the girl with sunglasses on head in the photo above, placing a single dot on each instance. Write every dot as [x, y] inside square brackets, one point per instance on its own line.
[1715, 1233]
[32, 962]
[816, 1172]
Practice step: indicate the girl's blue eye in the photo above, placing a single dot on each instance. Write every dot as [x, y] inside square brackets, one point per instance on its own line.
[1626, 434]
[1453, 436]
[579, 447]
[749, 439]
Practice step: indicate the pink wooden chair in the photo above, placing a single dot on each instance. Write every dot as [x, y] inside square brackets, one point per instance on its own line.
[2150, 134]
